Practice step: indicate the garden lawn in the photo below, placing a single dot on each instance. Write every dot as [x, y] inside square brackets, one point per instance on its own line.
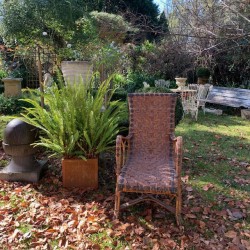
[216, 201]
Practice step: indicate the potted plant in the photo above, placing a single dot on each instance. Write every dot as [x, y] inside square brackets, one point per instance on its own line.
[76, 127]
[203, 75]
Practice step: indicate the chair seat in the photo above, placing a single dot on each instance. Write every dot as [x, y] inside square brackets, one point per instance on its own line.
[151, 176]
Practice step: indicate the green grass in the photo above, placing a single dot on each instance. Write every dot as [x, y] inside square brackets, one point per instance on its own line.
[105, 241]
[25, 228]
[2, 127]
[215, 150]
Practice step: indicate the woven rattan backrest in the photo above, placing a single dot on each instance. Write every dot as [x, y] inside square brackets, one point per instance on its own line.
[152, 120]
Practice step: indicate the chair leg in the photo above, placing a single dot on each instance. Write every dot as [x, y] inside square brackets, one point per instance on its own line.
[204, 110]
[183, 114]
[117, 203]
[178, 203]
[196, 114]
[178, 210]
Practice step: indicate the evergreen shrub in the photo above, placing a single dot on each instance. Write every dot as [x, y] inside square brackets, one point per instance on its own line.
[12, 105]
[203, 72]
[135, 81]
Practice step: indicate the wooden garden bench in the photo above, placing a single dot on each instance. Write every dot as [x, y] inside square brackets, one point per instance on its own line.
[232, 97]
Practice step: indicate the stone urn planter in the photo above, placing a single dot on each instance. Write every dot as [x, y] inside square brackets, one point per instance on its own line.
[12, 86]
[75, 71]
[181, 82]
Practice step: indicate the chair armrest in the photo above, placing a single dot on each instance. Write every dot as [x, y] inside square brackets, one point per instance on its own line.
[178, 152]
[122, 150]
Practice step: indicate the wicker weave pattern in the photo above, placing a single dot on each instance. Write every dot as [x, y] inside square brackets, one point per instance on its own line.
[151, 154]
[149, 160]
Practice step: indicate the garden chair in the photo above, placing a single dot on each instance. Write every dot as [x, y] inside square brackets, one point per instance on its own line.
[194, 98]
[149, 159]
[162, 83]
[189, 102]
[202, 94]
[193, 86]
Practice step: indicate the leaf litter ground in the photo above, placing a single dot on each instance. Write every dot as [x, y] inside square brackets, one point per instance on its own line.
[215, 211]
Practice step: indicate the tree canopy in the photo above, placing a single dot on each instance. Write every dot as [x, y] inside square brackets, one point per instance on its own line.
[216, 33]
[207, 33]
[27, 20]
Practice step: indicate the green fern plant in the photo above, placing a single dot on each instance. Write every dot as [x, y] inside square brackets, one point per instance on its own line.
[75, 123]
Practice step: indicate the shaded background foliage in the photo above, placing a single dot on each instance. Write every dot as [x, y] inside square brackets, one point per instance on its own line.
[188, 35]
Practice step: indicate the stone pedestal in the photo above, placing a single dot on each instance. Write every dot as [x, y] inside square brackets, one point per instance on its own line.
[8, 174]
[12, 86]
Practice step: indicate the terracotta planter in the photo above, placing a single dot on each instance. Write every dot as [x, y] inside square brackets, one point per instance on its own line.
[202, 80]
[80, 173]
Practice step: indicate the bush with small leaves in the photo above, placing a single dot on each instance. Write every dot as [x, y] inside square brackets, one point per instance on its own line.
[12, 105]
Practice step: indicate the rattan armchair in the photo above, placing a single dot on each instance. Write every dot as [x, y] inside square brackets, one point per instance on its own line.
[149, 159]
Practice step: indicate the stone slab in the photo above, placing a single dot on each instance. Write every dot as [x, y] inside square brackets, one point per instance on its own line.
[232, 97]
[245, 114]
[31, 176]
[214, 111]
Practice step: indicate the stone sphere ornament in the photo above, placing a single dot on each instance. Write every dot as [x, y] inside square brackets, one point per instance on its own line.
[17, 139]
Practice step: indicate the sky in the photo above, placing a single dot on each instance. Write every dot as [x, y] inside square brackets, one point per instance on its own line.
[160, 3]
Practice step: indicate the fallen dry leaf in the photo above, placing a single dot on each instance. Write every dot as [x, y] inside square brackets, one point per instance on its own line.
[246, 244]
[202, 224]
[156, 246]
[191, 216]
[14, 235]
[196, 209]
[208, 186]
[231, 234]
[74, 219]
[92, 230]
[139, 230]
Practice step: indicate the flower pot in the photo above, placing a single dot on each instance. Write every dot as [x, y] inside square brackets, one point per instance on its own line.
[12, 86]
[80, 173]
[202, 80]
[181, 82]
[75, 71]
